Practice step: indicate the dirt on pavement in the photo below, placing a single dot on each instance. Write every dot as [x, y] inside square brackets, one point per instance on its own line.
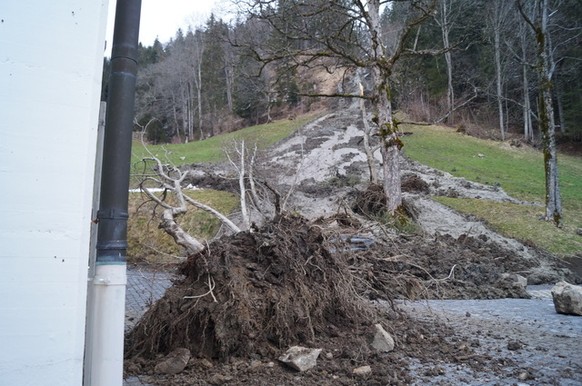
[323, 281]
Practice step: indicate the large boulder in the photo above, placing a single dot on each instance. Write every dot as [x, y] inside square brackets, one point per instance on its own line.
[567, 298]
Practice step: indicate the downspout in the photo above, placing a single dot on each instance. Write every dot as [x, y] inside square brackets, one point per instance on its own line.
[108, 285]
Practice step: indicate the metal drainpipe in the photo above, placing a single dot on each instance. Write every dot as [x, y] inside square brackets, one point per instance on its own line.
[108, 308]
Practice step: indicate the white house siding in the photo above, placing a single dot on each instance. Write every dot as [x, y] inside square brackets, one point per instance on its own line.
[51, 57]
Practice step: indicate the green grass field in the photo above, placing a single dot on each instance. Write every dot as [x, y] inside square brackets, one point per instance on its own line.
[212, 149]
[519, 171]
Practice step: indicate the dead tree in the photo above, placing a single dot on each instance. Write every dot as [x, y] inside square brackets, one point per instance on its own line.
[339, 36]
[240, 167]
[171, 179]
[258, 199]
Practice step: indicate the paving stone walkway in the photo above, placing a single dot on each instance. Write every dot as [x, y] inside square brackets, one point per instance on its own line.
[144, 287]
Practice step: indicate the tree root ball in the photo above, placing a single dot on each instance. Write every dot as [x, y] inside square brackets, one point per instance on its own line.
[253, 294]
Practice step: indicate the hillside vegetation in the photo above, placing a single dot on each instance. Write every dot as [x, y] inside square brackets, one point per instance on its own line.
[518, 170]
[149, 244]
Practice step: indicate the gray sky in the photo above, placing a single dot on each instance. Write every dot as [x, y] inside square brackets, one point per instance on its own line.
[162, 18]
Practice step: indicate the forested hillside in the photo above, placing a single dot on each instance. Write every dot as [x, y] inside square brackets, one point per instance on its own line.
[475, 64]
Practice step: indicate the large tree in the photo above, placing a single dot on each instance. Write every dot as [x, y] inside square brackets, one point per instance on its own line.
[347, 34]
[546, 67]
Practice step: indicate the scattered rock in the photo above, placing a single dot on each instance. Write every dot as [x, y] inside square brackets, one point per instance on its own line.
[383, 341]
[515, 280]
[174, 363]
[434, 371]
[525, 376]
[219, 379]
[579, 231]
[514, 345]
[567, 298]
[206, 363]
[300, 358]
[254, 365]
[364, 370]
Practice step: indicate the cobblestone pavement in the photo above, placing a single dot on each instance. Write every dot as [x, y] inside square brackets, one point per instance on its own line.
[144, 287]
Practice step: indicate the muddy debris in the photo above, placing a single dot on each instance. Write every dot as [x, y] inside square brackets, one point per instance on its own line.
[414, 184]
[246, 299]
[253, 294]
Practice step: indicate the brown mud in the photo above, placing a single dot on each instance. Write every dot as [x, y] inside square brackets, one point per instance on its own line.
[323, 282]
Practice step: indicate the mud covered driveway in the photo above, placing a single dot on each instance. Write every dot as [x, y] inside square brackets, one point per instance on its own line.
[527, 341]
[439, 342]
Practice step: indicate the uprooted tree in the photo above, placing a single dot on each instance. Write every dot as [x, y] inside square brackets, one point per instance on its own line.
[166, 189]
[175, 202]
[340, 36]
[170, 179]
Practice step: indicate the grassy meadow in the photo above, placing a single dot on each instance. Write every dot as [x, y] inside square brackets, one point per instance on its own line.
[212, 149]
[518, 170]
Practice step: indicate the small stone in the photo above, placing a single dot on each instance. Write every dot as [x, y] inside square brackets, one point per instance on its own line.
[363, 370]
[523, 376]
[383, 341]
[329, 355]
[219, 379]
[174, 363]
[206, 363]
[300, 358]
[513, 345]
[567, 298]
[579, 231]
[255, 365]
[515, 279]
[468, 314]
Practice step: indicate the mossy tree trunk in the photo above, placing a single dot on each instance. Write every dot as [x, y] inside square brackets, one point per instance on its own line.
[382, 111]
[391, 144]
[545, 68]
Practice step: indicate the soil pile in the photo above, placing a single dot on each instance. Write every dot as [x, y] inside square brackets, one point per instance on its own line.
[414, 267]
[247, 298]
[253, 294]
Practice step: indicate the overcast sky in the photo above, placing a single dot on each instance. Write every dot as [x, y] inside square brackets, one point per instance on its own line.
[162, 18]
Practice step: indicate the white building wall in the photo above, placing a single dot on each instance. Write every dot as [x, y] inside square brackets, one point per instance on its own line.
[51, 56]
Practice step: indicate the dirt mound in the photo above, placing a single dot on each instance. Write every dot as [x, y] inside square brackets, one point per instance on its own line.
[247, 298]
[253, 294]
[414, 184]
[370, 202]
[442, 267]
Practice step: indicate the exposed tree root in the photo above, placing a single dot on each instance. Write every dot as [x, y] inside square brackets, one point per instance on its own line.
[253, 294]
